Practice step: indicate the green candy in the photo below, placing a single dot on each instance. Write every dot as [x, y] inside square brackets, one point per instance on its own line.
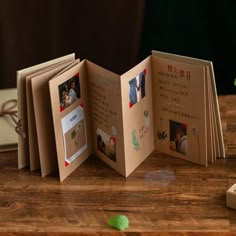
[119, 222]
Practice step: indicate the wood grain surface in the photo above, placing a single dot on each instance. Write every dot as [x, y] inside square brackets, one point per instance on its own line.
[163, 196]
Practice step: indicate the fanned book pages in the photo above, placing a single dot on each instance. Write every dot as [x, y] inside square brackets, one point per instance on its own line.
[71, 109]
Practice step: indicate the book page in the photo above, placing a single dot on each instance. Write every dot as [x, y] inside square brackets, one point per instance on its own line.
[218, 141]
[217, 120]
[180, 109]
[42, 76]
[106, 116]
[40, 123]
[71, 118]
[137, 109]
[210, 119]
[23, 143]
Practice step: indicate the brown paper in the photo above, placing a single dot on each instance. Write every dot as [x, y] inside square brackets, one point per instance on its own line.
[166, 103]
[23, 143]
[8, 137]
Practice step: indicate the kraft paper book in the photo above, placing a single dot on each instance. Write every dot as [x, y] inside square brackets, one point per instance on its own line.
[70, 109]
[8, 137]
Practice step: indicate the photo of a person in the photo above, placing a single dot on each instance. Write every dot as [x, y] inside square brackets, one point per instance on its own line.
[137, 88]
[178, 137]
[106, 144]
[72, 93]
[69, 92]
[65, 100]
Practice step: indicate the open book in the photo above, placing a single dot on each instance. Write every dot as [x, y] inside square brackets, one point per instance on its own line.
[71, 109]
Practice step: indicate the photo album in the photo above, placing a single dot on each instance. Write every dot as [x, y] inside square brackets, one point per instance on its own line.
[69, 109]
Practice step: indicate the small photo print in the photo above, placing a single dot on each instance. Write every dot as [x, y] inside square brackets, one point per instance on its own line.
[74, 134]
[137, 89]
[178, 137]
[106, 144]
[69, 92]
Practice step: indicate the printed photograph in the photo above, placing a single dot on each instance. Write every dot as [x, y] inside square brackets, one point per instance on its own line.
[178, 137]
[137, 89]
[69, 92]
[106, 144]
[74, 134]
[75, 139]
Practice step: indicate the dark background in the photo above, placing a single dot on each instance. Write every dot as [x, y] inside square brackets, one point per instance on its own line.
[117, 34]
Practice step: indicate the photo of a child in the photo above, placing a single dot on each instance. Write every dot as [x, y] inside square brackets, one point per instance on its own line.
[137, 89]
[69, 92]
[178, 137]
[106, 144]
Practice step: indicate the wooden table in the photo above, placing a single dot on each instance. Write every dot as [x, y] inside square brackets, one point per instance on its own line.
[164, 194]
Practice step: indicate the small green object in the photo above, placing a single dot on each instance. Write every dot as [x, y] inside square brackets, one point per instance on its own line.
[235, 82]
[147, 122]
[135, 141]
[73, 134]
[145, 113]
[119, 222]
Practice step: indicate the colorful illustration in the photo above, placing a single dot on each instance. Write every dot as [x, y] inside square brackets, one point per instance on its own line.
[147, 121]
[106, 144]
[75, 139]
[137, 89]
[178, 137]
[141, 132]
[69, 92]
[135, 141]
[74, 134]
